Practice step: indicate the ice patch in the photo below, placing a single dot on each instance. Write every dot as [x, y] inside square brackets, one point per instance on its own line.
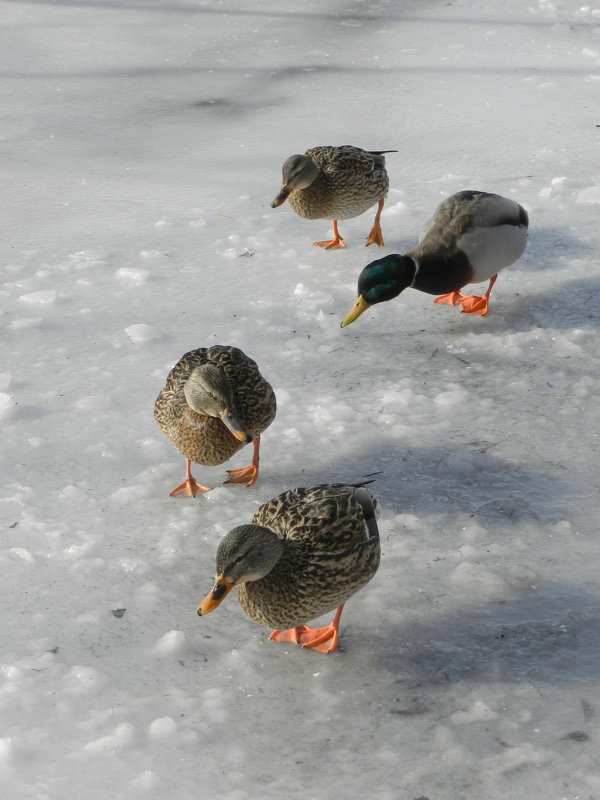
[475, 578]
[84, 680]
[133, 275]
[26, 322]
[121, 736]
[556, 185]
[22, 553]
[6, 403]
[589, 195]
[5, 379]
[146, 780]
[126, 495]
[515, 759]
[148, 254]
[171, 642]
[141, 332]
[451, 398]
[41, 298]
[94, 402]
[395, 210]
[6, 747]
[477, 712]
[163, 728]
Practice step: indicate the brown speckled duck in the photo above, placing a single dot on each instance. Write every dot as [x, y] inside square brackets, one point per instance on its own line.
[336, 183]
[214, 402]
[471, 237]
[305, 553]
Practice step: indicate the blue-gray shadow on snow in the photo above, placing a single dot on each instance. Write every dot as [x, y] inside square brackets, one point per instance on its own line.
[541, 635]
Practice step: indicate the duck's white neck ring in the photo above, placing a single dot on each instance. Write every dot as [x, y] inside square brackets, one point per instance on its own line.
[417, 266]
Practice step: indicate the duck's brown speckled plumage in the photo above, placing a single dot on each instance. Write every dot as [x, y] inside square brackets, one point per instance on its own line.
[351, 180]
[329, 555]
[204, 439]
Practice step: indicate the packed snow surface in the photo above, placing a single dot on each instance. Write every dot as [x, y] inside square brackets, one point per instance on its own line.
[142, 143]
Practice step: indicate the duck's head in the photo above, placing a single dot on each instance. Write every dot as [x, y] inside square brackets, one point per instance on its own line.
[297, 172]
[379, 281]
[247, 553]
[208, 392]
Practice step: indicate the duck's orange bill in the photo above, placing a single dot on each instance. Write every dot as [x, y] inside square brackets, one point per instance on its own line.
[232, 422]
[281, 197]
[214, 597]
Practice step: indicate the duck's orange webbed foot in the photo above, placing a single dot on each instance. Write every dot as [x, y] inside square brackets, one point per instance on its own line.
[331, 244]
[375, 236]
[189, 488]
[325, 640]
[470, 304]
[247, 475]
[451, 299]
[322, 639]
[289, 635]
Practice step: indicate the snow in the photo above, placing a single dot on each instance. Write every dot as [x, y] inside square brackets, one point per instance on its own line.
[142, 145]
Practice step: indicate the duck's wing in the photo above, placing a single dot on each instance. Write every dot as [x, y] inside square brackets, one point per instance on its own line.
[331, 517]
[171, 401]
[182, 369]
[347, 159]
[465, 211]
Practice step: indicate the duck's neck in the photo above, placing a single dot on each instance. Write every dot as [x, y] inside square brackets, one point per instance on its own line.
[439, 275]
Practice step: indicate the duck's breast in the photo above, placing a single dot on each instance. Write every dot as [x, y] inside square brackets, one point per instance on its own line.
[490, 249]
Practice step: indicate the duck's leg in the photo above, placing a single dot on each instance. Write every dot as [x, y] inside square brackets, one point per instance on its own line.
[325, 640]
[375, 236]
[190, 487]
[471, 304]
[249, 474]
[331, 244]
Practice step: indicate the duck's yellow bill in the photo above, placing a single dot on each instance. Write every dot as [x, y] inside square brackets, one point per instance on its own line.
[356, 310]
[214, 597]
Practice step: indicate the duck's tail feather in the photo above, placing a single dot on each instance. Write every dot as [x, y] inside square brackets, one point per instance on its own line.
[370, 509]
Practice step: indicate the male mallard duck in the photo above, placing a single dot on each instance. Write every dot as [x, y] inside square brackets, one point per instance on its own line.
[472, 236]
[305, 553]
[335, 183]
[214, 402]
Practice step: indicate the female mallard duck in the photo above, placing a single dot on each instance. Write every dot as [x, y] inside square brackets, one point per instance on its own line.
[305, 553]
[472, 236]
[336, 183]
[214, 402]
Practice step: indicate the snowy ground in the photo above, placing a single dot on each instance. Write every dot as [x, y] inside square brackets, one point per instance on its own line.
[141, 146]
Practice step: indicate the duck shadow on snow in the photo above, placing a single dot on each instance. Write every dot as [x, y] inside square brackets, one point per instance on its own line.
[515, 307]
[569, 304]
[540, 636]
[461, 479]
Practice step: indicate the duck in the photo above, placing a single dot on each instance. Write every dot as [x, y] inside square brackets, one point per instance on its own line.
[336, 183]
[304, 554]
[470, 238]
[213, 403]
